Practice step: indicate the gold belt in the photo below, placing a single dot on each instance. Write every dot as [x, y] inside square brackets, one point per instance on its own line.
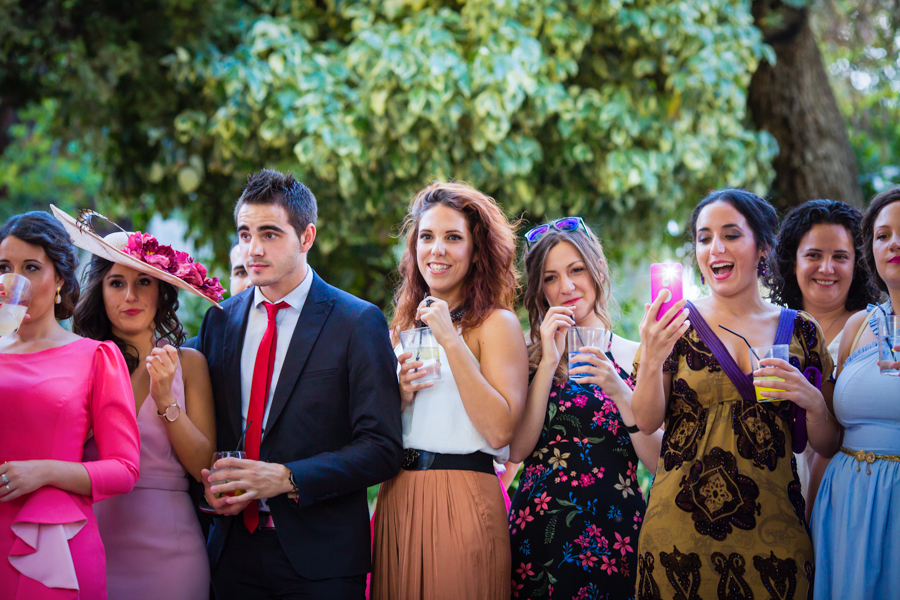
[862, 456]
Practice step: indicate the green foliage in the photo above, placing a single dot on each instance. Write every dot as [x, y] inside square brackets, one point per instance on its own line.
[37, 169]
[860, 45]
[624, 111]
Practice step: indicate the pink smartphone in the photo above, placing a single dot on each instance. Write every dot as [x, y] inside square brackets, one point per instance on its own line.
[666, 276]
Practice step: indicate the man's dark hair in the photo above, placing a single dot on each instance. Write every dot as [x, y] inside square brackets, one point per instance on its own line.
[274, 187]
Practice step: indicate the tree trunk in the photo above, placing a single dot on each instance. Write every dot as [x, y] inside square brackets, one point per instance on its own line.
[794, 102]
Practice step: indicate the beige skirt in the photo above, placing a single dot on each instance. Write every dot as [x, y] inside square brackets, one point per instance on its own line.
[441, 535]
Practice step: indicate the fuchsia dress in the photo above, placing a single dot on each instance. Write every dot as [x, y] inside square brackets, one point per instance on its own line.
[49, 403]
[155, 549]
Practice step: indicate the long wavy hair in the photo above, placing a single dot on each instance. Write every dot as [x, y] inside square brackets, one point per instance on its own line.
[868, 232]
[492, 279]
[591, 251]
[781, 278]
[90, 319]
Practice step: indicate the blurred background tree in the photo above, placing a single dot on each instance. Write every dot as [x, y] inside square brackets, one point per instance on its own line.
[624, 112]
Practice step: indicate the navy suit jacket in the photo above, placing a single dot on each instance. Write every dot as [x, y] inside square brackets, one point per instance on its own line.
[334, 422]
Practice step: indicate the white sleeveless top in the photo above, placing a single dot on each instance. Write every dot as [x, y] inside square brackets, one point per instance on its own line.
[436, 419]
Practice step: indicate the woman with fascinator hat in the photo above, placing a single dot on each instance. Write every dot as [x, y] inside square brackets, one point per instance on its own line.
[55, 388]
[154, 545]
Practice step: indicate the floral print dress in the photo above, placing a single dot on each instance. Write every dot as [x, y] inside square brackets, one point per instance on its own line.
[726, 518]
[575, 518]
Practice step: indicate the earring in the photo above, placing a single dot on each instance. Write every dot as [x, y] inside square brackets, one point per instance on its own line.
[761, 267]
[58, 297]
[702, 278]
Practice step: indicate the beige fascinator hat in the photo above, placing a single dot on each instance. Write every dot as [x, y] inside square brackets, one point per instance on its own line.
[142, 252]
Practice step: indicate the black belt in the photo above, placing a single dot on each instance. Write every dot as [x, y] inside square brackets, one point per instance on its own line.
[422, 460]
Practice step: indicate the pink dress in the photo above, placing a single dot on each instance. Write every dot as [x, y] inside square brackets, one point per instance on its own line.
[49, 402]
[154, 545]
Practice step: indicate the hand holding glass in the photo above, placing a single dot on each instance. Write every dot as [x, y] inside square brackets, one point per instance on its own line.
[212, 469]
[888, 339]
[14, 304]
[758, 353]
[579, 337]
[425, 348]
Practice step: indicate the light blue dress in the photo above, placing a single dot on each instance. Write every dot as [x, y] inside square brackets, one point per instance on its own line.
[856, 519]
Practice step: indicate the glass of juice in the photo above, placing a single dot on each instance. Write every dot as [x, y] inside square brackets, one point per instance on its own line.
[213, 469]
[758, 353]
[579, 337]
[14, 304]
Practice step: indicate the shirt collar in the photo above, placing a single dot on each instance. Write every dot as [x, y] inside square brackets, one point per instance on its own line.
[296, 298]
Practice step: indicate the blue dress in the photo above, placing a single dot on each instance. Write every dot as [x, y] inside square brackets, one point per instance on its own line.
[856, 519]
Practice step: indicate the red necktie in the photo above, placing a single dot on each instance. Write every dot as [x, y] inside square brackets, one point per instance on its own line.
[259, 396]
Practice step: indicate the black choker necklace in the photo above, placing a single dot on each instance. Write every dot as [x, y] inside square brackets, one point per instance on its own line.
[456, 315]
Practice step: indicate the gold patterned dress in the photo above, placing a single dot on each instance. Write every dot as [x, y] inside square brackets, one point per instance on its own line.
[726, 518]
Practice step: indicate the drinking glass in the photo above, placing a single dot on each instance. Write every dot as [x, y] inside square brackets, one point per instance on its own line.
[213, 469]
[14, 306]
[758, 353]
[578, 337]
[424, 347]
[888, 338]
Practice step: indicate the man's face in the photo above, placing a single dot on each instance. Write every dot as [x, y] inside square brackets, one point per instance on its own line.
[240, 281]
[274, 254]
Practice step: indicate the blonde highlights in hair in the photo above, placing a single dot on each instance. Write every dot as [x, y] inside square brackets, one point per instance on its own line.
[591, 251]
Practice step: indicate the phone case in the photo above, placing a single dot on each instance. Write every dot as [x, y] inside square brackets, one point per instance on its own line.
[666, 276]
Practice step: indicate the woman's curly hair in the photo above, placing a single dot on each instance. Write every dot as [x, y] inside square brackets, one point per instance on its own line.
[781, 278]
[91, 321]
[492, 279]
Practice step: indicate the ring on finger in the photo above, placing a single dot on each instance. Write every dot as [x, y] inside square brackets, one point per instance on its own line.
[7, 488]
[4, 478]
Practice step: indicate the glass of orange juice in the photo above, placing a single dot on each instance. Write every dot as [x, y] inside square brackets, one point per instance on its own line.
[758, 353]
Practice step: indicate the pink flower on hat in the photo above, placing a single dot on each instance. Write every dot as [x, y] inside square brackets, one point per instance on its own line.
[146, 247]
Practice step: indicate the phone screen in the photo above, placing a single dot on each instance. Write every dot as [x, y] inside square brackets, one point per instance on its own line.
[666, 276]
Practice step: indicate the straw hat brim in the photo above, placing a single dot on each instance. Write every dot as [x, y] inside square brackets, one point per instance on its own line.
[88, 240]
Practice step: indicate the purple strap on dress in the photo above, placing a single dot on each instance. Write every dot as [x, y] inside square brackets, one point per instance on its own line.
[744, 382]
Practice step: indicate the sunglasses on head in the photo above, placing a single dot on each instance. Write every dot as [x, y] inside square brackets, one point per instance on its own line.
[564, 224]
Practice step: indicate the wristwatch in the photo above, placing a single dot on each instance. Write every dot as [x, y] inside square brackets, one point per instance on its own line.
[171, 413]
[633, 429]
[294, 493]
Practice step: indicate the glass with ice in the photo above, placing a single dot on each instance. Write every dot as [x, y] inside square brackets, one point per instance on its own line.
[212, 469]
[888, 339]
[14, 304]
[424, 347]
[758, 353]
[579, 337]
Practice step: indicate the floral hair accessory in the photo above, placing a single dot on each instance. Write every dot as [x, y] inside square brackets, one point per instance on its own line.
[142, 252]
[145, 247]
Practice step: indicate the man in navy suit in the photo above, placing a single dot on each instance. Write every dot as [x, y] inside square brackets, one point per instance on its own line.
[309, 372]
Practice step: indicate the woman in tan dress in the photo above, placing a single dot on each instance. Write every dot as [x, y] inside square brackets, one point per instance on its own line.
[440, 525]
[726, 518]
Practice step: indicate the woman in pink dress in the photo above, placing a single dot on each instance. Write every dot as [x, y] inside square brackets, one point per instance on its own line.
[55, 389]
[155, 548]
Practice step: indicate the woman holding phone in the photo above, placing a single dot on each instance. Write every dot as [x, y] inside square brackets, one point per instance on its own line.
[56, 390]
[130, 294]
[726, 515]
[440, 527]
[855, 523]
[576, 516]
[817, 266]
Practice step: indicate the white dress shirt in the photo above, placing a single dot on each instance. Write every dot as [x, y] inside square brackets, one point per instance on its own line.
[257, 320]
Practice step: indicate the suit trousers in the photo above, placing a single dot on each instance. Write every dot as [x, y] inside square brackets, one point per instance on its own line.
[255, 567]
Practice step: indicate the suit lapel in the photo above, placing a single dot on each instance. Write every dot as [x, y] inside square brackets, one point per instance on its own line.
[312, 318]
[234, 346]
